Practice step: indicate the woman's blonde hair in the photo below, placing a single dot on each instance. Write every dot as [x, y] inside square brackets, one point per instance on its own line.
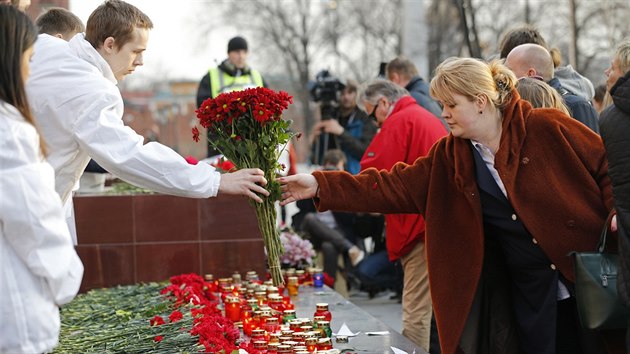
[540, 94]
[471, 78]
[623, 54]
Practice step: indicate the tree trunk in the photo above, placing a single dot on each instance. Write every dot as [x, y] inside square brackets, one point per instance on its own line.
[573, 47]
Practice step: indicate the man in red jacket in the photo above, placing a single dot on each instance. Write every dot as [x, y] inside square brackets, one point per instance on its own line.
[407, 132]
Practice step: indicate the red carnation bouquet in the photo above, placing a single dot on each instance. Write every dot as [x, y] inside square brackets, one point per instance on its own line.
[248, 129]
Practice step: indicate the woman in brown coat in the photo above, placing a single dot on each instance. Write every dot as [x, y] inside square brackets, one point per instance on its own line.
[506, 197]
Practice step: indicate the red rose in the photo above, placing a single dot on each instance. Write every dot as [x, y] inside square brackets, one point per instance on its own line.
[158, 338]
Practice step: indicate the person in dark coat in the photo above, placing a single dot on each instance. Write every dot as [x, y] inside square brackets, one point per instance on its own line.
[615, 130]
[533, 60]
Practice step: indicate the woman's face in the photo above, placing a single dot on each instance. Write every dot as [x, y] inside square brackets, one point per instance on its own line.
[613, 73]
[463, 117]
[25, 65]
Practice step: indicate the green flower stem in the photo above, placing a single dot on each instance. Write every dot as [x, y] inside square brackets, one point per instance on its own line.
[266, 215]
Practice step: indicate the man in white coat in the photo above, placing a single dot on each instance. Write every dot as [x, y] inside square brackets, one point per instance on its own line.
[73, 94]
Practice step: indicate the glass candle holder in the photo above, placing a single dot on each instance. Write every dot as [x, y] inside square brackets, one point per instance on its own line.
[293, 286]
[311, 344]
[324, 326]
[301, 274]
[318, 278]
[288, 305]
[322, 310]
[272, 348]
[260, 345]
[295, 325]
[252, 276]
[324, 344]
[271, 325]
[284, 349]
[233, 308]
[288, 315]
[258, 334]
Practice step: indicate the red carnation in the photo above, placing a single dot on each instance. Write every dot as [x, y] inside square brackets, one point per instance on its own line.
[158, 338]
[195, 133]
[156, 321]
[175, 316]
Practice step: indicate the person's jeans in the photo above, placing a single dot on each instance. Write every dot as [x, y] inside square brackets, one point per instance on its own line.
[376, 270]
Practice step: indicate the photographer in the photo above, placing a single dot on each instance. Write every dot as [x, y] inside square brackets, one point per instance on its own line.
[349, 129]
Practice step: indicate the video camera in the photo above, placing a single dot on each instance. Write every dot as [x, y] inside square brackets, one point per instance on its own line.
[327, 90]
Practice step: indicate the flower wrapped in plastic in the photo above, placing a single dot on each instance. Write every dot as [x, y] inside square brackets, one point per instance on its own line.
[298, 252]
[248, 129]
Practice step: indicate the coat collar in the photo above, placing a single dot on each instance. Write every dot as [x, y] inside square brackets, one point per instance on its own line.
[84, 50]
[401, 104]
[512, 139]
[621, 93]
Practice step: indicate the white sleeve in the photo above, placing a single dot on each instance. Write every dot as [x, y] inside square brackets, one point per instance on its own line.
[34, 225]
[120, 150]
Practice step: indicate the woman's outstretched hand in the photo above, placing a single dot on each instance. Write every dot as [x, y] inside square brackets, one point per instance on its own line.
[297, 187]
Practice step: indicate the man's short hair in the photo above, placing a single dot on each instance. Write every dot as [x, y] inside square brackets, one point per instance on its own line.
[333, 157]
[117, 19]
[520, 35]
[403, 67]
[351, 86]
[59, 20]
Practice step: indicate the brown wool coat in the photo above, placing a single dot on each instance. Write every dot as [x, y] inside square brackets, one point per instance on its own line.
[555, 173]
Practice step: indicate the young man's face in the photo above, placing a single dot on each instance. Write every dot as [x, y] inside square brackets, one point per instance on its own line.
[238, 58]
[348, 99]
[124, 60]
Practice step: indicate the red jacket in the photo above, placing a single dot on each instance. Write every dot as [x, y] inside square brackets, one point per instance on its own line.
[408, 133]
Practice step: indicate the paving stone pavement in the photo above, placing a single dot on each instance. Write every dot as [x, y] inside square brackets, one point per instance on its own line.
[381, 306]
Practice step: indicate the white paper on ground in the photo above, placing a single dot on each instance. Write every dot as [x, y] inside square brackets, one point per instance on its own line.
[345, 331]
[398, 351]
[377, 333]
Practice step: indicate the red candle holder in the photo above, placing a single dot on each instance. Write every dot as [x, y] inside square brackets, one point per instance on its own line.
[311, 344]
[322, 310]
[324, 344]
[233, 308]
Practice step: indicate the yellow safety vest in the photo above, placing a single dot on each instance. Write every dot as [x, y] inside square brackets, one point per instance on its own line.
[221, 82]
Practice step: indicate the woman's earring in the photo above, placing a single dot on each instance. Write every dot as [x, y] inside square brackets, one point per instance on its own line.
[480, 112]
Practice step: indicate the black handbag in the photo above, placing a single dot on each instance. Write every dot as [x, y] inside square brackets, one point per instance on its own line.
[596, 287]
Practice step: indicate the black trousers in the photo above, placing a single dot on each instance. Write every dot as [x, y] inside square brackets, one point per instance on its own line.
[571, 337]
[331, 242]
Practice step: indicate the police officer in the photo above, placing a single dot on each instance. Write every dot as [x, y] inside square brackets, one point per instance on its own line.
[233, 74]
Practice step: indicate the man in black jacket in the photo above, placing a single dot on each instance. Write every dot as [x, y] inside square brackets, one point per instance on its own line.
[615, 130]
[533, 60]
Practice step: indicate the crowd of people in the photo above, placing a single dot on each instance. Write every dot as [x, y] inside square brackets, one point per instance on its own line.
[522, 180]
[482, 180]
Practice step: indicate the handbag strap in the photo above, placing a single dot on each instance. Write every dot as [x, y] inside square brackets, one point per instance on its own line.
[601, 245]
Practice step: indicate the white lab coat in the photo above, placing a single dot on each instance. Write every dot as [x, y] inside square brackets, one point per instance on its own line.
[39, 268]
[73, 95]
